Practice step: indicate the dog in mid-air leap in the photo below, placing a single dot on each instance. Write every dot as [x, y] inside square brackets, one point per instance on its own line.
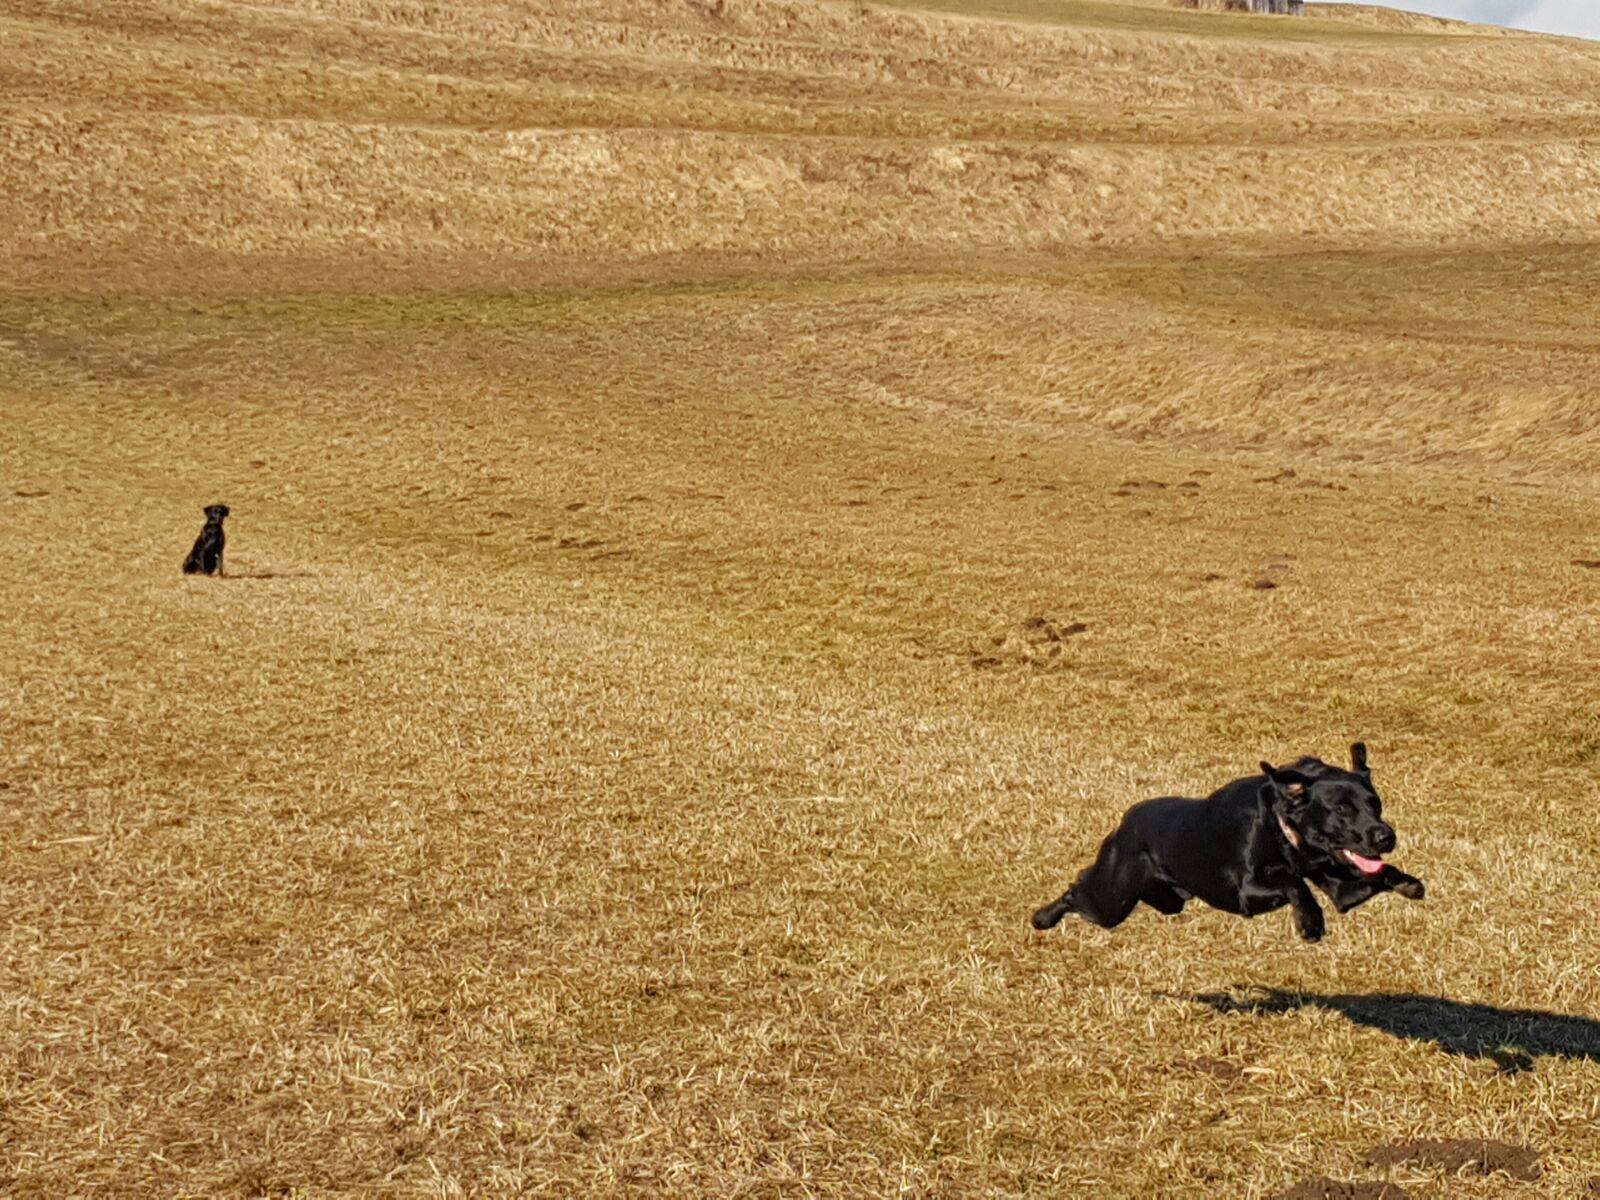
[206, 556]
[1249, 848]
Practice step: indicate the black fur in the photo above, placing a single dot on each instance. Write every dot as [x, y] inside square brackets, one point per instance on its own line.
[206, 556]
[1248, 848]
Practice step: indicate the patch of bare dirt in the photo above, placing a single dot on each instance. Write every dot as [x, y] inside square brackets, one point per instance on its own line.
[1033, 641]
[1219, 1069]
[1479, 1156]
[1322, 1188]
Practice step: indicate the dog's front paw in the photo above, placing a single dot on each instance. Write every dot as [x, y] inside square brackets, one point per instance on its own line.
[1311, 925]
[1411, 889]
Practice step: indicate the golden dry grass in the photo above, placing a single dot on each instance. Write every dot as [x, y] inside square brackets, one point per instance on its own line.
[609, 771]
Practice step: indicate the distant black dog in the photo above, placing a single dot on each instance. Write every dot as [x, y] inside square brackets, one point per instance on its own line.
[1248, 848]
[206, 557]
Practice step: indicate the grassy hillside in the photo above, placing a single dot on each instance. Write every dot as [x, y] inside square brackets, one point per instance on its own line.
[625, 752]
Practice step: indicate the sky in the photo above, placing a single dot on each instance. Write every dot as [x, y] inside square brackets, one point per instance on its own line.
[1580, 17]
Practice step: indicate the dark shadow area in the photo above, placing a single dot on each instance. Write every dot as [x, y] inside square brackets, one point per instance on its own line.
[1512, 1037]
[266, 575]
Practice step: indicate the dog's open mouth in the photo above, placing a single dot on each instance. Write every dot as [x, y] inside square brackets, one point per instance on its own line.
[1367, 866]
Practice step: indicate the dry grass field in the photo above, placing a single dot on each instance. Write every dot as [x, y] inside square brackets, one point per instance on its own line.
[623, 755]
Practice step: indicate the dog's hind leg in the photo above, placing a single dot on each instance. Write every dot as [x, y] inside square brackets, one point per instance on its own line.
[1050, 915]
[1108, 889]
[1163, 897]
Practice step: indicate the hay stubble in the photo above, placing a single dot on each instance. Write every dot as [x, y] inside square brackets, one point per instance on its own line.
[587, 784]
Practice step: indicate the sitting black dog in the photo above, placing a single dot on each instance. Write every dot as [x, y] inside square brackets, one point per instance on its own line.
[1248, 848]
[206, 556]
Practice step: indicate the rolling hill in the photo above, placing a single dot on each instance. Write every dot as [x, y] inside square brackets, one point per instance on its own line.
[731, 499]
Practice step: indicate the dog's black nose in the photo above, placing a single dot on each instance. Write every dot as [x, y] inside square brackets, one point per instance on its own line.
[1381, 839]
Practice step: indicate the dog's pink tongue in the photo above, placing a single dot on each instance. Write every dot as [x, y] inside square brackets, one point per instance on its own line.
[1369, 865]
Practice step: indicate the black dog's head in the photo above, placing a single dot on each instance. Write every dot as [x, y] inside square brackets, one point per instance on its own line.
[215, 513]
[1333, 810]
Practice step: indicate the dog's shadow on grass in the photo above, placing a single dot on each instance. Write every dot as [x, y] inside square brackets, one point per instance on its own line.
[1514, 1038]
[266, 575]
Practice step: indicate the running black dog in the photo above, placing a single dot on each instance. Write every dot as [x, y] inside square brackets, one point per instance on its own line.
[206, 557]
[1247, 849]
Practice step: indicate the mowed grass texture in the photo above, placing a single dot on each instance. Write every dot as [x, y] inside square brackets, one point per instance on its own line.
[623, 758]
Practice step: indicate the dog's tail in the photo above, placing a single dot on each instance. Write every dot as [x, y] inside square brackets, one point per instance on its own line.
[1050, 915]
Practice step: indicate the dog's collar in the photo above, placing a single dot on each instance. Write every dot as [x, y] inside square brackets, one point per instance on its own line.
[1288, 833]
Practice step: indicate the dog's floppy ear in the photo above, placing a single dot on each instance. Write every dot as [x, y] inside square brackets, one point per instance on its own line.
[1358, 758]
[1292, 785]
